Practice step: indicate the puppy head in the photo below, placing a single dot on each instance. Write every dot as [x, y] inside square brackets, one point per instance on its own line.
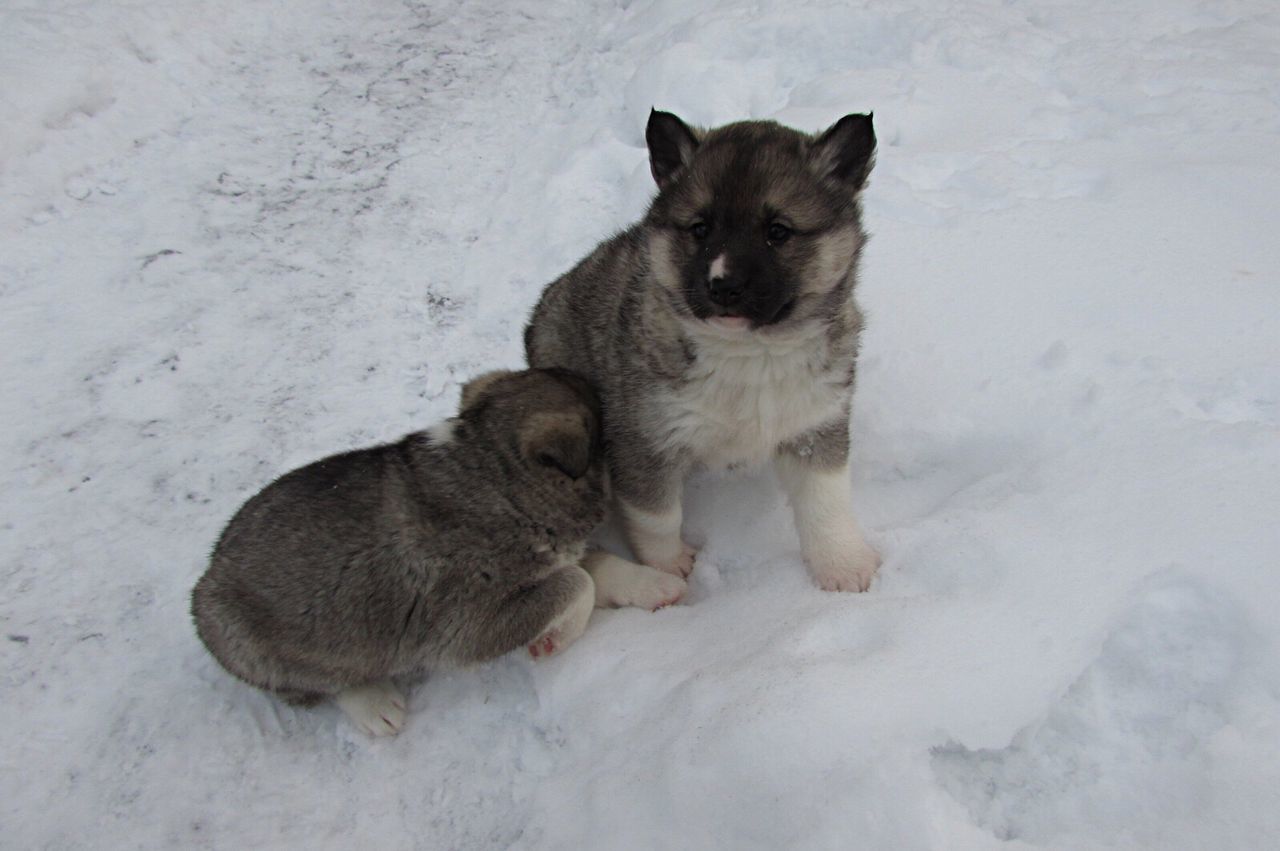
[546, 420]
[755, 224]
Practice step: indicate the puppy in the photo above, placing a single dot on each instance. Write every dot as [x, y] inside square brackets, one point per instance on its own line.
[450, 547]
[722, 331]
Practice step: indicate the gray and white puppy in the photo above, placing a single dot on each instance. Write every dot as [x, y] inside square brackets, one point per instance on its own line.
[449, 547]
[722, 330]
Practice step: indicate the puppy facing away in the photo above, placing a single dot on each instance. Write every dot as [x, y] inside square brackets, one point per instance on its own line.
[452, 546]
[722, 331]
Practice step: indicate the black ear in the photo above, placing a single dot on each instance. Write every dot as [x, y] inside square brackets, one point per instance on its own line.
[564, 451]
[671, 146]
[846, 150]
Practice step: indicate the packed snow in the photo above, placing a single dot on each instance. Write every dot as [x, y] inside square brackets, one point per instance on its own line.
[236, 237]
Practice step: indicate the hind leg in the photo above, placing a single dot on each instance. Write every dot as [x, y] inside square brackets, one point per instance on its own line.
[551, 613]
[570, 622]
[377, 708]
[299, 675]
[297, 697]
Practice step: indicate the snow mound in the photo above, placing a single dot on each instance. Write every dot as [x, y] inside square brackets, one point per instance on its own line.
[1133, 742]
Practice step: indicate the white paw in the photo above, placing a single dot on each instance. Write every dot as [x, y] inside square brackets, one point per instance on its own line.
[377, 708]
[623, 583]
[567, 626]
[655, 539]
[651, 589]
[681, 564]
[848, 568]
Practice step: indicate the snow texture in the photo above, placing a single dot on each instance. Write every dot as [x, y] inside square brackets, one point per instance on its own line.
[235, 237]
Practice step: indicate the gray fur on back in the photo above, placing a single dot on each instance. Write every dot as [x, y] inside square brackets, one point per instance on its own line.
[444, 548]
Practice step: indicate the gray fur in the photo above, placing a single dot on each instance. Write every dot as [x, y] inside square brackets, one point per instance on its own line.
[633, 315]
[422, 553]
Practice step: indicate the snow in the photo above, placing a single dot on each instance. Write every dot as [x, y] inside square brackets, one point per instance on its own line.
[237, 237]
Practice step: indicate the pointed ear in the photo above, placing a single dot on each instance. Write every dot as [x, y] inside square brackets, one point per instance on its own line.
[846, 151]
[474, 389]
[671, 146]
[558, 442]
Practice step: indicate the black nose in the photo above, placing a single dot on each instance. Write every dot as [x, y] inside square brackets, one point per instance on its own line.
[726, 292]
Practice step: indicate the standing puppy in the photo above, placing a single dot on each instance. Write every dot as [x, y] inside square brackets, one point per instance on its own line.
[450, 547]
[722, 330]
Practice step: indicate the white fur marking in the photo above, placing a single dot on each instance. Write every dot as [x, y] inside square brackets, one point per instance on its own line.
[746, 394]
[442, 432]
[377, 708]
[730, 323]
[719, 268]
[838, 556]
[655, 537]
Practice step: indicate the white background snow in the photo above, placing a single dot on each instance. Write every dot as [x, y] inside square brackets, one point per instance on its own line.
[235, 237]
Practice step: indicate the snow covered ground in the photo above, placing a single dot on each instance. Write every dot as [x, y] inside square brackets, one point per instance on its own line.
[235, 237]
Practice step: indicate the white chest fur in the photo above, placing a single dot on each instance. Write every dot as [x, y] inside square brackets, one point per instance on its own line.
[743, 396]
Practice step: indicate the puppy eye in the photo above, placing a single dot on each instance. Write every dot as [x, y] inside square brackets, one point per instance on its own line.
[777, 233]
[699, 230]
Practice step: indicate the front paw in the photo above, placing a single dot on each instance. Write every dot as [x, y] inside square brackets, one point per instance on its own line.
[845, 569]
[646, 588]
[680, 565]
